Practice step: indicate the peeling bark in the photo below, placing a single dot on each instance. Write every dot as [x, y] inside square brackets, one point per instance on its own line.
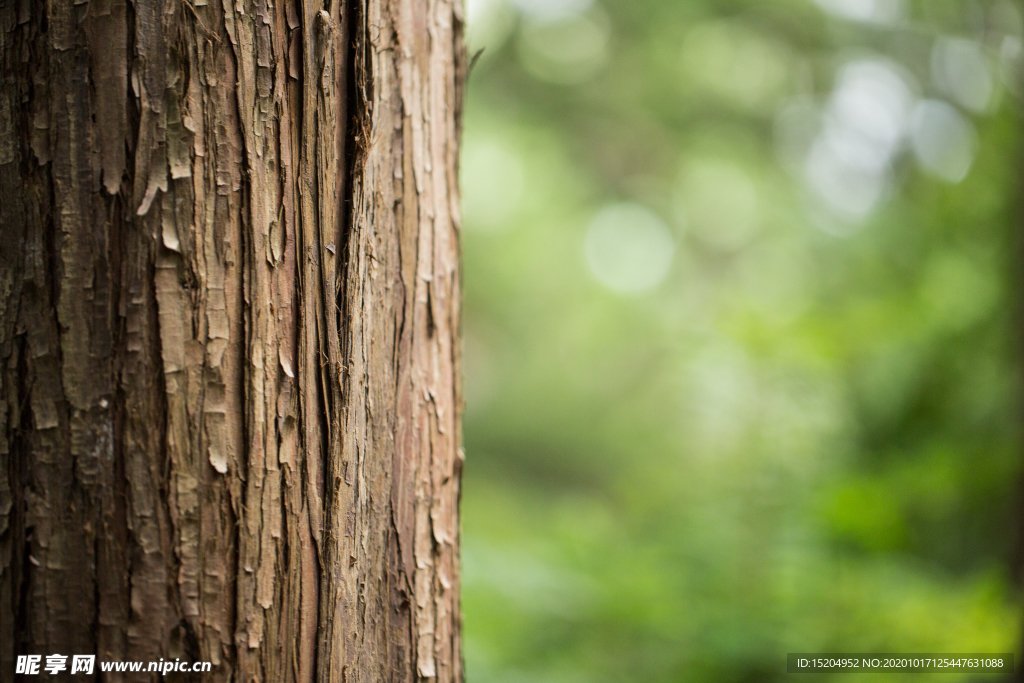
[229, 313]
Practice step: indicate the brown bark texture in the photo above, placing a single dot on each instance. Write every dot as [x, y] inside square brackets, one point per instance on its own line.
[229, 313]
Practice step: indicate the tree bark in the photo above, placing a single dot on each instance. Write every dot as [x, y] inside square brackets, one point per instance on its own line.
[229, 313]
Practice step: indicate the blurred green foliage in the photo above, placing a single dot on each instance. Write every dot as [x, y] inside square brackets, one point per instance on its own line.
[741, 331]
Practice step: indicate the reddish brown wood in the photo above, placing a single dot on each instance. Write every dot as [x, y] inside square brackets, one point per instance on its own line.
[229, 314]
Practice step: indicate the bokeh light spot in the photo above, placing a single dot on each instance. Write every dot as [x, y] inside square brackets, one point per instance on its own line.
[569, 50]
[943, 140]
[493, 180]
[721, 201]
[628, 248]
[849, 164]
[552, 10]
[960, 68]
[869, 11]
[736, 63]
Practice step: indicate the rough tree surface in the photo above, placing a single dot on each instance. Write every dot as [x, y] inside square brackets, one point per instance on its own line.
[229, 289]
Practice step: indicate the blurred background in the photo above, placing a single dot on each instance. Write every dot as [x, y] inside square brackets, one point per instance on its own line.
[743, 367]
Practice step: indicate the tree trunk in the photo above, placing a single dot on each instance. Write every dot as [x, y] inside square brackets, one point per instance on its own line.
[229, 312]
